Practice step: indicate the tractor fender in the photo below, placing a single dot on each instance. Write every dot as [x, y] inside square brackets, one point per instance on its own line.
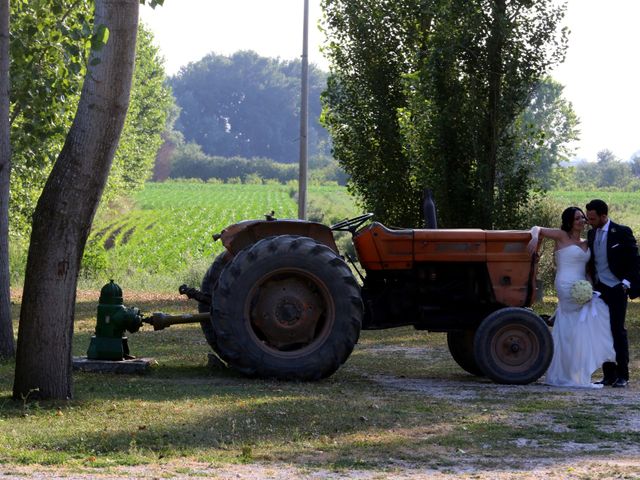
[240, 235]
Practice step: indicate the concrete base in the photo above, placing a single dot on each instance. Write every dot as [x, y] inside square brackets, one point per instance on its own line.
[137, 365]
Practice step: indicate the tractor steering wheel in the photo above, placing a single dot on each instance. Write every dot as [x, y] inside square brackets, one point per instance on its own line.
[351, 224]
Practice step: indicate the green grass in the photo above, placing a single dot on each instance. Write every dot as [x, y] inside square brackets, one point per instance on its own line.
[185, 410]
[358, 418]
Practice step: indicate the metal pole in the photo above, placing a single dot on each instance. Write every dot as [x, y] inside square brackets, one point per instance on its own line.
[304, 100]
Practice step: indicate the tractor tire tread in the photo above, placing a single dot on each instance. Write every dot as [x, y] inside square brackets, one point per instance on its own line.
[231, 330]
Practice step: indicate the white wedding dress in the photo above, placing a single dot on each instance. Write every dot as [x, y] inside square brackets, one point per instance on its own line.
[581, 333]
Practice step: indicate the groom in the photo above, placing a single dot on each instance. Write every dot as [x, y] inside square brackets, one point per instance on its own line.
[615, 269]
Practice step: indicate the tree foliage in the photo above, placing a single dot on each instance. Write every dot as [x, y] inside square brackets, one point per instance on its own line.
[189, 161]
[150, 103]
[544, 132]
[427, 94]
[50, 42]
[635, 165]
[7, 349]
[369, 55]
[246, 105]
[607, 173]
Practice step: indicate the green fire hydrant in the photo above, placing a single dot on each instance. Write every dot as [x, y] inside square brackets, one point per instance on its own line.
[109, 342]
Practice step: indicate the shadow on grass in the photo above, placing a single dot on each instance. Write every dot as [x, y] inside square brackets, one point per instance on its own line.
[182, 408]
[273, 421]
[307, 427]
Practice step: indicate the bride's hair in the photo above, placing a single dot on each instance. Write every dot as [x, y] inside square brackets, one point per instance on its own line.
[568, 217]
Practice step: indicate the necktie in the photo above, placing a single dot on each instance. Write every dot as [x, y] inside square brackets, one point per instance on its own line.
[600, 237]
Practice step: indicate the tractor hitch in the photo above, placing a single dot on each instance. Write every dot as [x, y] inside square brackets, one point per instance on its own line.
[194, 294]
[160, 320]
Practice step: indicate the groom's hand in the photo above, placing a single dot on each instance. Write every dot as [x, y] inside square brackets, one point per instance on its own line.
[625, 287]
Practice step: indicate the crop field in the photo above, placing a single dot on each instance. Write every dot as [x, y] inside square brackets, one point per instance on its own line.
[166, 237]
[173, 225]
[624, 207]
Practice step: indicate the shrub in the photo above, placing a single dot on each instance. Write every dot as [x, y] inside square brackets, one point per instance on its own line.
[253, 179]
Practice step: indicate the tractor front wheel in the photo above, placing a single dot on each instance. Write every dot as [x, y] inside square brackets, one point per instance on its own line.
[513, 346]
[287, 307]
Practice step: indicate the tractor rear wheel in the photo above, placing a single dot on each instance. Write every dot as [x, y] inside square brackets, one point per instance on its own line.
[209, 282]
[513, 346]
[287, 307]
[461, 347]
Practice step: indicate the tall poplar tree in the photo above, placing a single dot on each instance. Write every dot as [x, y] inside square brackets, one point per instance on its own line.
[426, 93]
[475, 74]
[369, 55]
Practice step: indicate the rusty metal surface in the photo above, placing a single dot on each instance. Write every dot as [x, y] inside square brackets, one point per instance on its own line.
[509, 265]
[242, 234]
[160, 320]
[286, 311]
[515, 348]
[290, 311]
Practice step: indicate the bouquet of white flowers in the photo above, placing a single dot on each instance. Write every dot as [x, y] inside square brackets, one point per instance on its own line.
[581, 292]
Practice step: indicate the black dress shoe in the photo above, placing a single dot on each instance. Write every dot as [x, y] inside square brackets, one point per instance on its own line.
[606, 382]
[620, 383]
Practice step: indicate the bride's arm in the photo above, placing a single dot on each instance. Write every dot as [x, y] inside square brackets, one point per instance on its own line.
[540, 233]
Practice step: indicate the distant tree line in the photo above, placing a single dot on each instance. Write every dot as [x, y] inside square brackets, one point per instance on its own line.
[608, 172]
[245, 105]
[189, 161]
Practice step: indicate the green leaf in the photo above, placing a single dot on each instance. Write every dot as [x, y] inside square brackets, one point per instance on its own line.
[100, 38]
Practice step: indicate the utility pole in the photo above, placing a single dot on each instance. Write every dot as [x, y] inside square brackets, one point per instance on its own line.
[304, 122]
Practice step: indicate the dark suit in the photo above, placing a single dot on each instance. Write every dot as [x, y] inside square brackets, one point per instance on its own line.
[624, 263]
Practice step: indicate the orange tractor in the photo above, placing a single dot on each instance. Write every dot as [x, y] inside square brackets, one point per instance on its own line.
[281, 301]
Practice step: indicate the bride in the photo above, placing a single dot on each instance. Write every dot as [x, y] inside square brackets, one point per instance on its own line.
[581, 333]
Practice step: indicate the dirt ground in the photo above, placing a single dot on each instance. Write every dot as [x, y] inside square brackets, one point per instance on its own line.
[592, 468]
[582, 460]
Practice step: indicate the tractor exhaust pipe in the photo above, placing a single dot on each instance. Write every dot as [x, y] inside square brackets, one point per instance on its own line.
[429, 210]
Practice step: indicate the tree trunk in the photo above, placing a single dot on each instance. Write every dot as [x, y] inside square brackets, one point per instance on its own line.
[63, 216]
[6, 327]
[495, 44]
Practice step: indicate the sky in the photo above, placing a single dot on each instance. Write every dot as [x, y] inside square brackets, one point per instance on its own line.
[601, 73]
